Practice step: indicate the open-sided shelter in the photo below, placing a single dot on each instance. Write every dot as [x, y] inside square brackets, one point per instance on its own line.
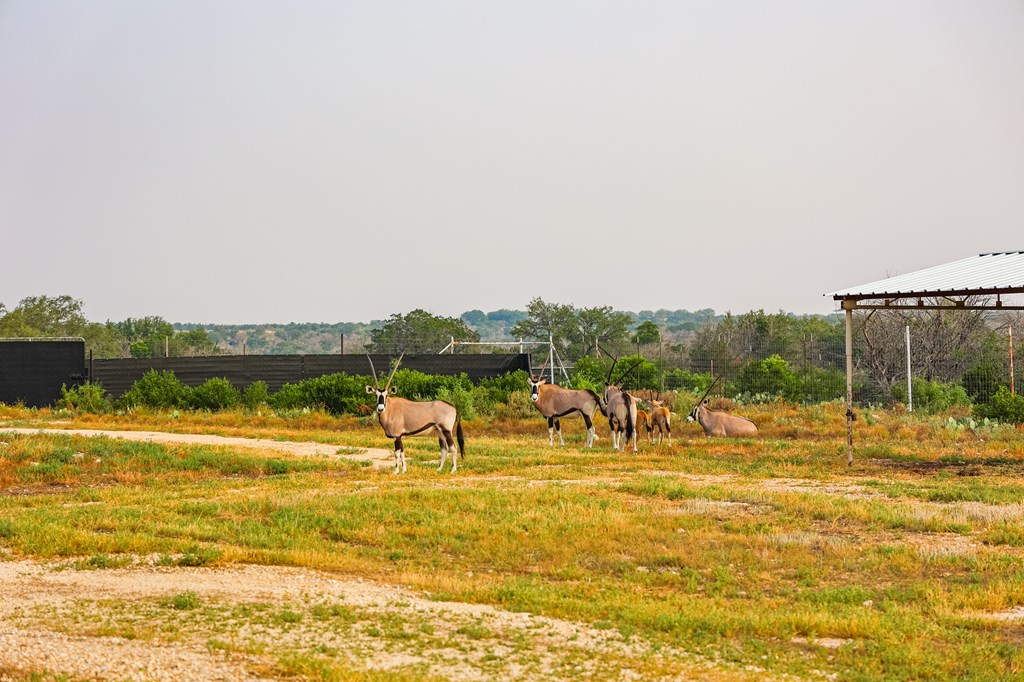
[951, 286]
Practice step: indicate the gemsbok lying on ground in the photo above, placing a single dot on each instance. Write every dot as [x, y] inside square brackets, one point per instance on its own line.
[401, 417]
[554, 402]
[717, 423]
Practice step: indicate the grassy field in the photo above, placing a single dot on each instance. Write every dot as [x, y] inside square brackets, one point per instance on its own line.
[764, 554]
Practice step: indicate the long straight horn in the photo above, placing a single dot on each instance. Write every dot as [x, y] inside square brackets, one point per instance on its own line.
[375, 382]
[709, 389]
[388, 385]
[630, 369]
[542, 368]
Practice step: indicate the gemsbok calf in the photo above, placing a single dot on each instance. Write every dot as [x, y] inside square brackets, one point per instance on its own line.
[722, 424]
[554, 402]
[400, 417]
[661, 419]
[643, 423]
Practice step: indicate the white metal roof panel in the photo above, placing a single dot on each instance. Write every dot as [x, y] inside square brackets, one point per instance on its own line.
[985, 273]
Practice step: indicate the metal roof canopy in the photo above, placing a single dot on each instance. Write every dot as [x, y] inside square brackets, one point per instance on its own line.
[988, 274]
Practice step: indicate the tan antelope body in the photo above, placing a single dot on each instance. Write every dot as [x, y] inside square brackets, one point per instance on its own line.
[400, 417]
[716, 423]
[661, 419]
[620, 408]
[555, 402]
[643, 423]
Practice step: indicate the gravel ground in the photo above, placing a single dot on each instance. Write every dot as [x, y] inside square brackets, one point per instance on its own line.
[150, 622]
[120, 624]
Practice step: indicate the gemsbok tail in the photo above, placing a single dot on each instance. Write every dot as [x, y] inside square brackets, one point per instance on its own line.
[460, 437]
[629, 418]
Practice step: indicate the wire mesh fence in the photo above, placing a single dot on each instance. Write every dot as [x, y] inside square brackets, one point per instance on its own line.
[813, 369]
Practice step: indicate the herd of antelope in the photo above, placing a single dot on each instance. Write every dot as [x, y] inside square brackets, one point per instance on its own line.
[400, 417]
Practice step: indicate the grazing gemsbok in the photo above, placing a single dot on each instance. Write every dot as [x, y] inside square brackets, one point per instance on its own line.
[717, 423]
[401, 417]
[620, 408]
[661, 419]
[554, 402]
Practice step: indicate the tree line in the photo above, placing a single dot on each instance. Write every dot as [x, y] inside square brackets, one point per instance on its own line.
[800, 357]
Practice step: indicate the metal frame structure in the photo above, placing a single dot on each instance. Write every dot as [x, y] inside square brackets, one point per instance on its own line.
[988, 274]
[550, 343]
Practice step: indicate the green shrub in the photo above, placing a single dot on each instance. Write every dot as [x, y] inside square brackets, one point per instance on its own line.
[682, 380]
[157, 390]
[215, 394]
[771, 376]
[419, 386]
[255, 394]
[588, 373]
[336, 393]
[495, 391]
[518, 406]
[821, 385]
[289, 397]
[933, 397]
[87, 397]
[1004, 406]
[461, 398]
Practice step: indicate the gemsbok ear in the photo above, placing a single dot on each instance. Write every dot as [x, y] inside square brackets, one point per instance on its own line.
[392, 390]
[369, 389]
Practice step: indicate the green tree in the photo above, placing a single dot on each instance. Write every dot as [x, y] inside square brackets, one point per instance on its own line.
[600, 326]
[576, 332]
[52, 316]
[647, 333]
[191, 343]
[45, 316]
[418, 332]
[545, 320]
[146, 337]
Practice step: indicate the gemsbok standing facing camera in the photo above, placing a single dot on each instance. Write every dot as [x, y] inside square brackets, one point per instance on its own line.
[554, 402]
[722, 424]
[400, 417]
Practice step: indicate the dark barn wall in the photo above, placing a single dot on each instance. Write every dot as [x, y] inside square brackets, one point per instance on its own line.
[118, 375]
[32, 372]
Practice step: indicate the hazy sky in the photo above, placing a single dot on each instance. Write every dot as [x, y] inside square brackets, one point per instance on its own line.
[242, 161]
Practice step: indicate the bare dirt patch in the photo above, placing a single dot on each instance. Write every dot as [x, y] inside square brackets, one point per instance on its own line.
[121, 624]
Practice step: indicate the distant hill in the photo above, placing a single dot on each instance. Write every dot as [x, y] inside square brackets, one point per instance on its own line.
[316, 338]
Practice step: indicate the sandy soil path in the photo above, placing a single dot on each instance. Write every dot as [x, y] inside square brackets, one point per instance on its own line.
[378, 457]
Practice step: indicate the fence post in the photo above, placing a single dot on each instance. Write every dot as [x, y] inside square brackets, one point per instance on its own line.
[848, 306]
[910, 385]
[551, 356]
[1013, 389]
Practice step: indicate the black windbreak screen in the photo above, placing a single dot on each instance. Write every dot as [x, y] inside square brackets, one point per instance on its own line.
[32, 372]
